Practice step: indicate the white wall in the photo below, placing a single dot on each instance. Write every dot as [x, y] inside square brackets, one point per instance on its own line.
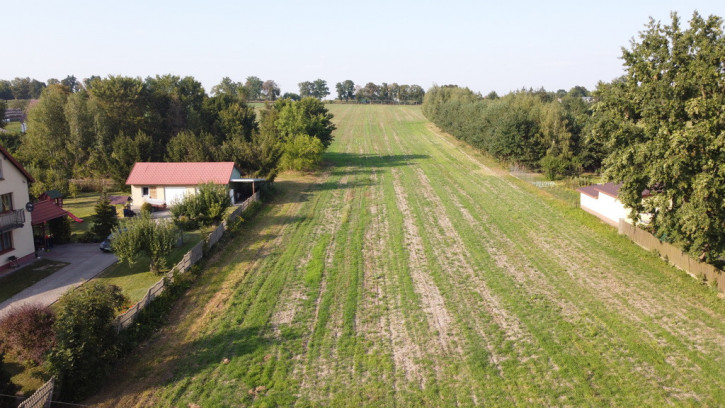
[16, 183]
[607, 208]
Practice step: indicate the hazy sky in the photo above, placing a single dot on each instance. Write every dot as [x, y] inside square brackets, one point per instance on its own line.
[485, 45]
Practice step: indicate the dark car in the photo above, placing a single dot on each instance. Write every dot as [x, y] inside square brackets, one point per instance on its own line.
[106, 244]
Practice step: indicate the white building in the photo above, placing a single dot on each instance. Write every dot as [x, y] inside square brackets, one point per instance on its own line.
[16, 232]
[602, 201]
[163, 184]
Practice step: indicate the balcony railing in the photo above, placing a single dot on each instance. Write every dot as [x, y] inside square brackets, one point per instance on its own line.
[11, 220]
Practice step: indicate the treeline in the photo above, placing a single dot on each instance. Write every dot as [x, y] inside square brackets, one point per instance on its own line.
[252, 89]
[107, 125]
[548, 131]
[383, 93]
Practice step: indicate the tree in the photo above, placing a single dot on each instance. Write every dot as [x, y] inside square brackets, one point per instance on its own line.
[190, 147]
[307, 88]
[126, 152]
[302, 153]
[144, 236]
[226, 86]
[320, 89]
[72, 83]
[669, 133]
[308, 117]
[270, 90]
[253, 87]
[6, 90]
[46, 143]
[105, 218]
[20, 88]
[345, 90]
[291, 95]
[85, 337]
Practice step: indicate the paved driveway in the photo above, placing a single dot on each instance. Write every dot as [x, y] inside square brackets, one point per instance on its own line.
[86, 261]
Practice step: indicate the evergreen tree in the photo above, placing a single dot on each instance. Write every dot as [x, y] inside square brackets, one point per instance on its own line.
[105, 218]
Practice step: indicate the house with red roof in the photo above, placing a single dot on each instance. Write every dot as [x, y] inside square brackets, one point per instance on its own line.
[164, 184]
[601, 200]
[16, 232]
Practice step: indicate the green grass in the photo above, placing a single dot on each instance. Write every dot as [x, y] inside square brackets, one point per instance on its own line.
[13, 127]
[414, 272]
[136, 279]
[27, 276]
[83, 207]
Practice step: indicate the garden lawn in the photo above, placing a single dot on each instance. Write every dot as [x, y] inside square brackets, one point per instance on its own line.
[136, 279]
[414, 272]
[27, 276]
[83, 206]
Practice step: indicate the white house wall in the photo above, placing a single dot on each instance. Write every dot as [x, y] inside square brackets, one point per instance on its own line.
[607, 208]
[16, 183]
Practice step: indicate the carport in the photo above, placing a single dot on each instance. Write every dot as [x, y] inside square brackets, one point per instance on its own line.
[43, 212]
[244, 188]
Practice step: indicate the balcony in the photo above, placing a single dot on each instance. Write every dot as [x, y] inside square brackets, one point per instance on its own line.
[11, 220]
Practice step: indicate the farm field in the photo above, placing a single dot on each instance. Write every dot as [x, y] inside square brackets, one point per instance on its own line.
[412, 272]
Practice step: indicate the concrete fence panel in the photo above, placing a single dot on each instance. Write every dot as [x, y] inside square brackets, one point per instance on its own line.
[674, 255]
[40, 398]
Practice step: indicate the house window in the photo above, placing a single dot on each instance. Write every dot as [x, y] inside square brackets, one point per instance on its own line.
[145, 191]
[1, 170]
[6, 241]
[6, 202]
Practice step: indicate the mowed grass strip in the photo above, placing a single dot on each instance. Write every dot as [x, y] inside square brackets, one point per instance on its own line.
[413, 272]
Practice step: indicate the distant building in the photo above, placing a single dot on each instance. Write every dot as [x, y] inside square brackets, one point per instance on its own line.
[16, 232]
[602, 201]
[164, 184]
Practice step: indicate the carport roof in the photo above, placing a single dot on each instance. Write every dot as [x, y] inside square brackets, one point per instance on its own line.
[180, 174]
[45, 211]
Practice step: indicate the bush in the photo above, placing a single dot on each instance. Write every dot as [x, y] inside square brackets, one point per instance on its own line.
[27, 333]
[302, 153]
[147, 208]
[85, 337]
[60, 229]
[206, 207]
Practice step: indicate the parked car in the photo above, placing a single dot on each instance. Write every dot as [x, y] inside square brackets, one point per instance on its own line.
[106, 244]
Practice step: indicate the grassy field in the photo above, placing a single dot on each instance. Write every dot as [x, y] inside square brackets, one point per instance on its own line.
[413, 272]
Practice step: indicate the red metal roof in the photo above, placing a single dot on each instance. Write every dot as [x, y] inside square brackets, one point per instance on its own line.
[45, 211]
[180, 174]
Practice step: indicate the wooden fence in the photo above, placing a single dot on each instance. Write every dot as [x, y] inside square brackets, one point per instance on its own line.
[126, 319]
[40, 398]
[674, 255]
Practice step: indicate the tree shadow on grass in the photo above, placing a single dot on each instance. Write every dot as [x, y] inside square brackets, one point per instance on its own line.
[340, 159]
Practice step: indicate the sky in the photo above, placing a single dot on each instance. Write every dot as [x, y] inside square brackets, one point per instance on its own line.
[485, 45]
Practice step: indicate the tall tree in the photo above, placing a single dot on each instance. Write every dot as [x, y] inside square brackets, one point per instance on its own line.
[307, 88]
[226, 86]
[270, 90]
[47, 142]
[72, 83]
[320, 89]
[669, 136]
[20, 88]
[6, 90]
[253, 86]
[308, 116]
